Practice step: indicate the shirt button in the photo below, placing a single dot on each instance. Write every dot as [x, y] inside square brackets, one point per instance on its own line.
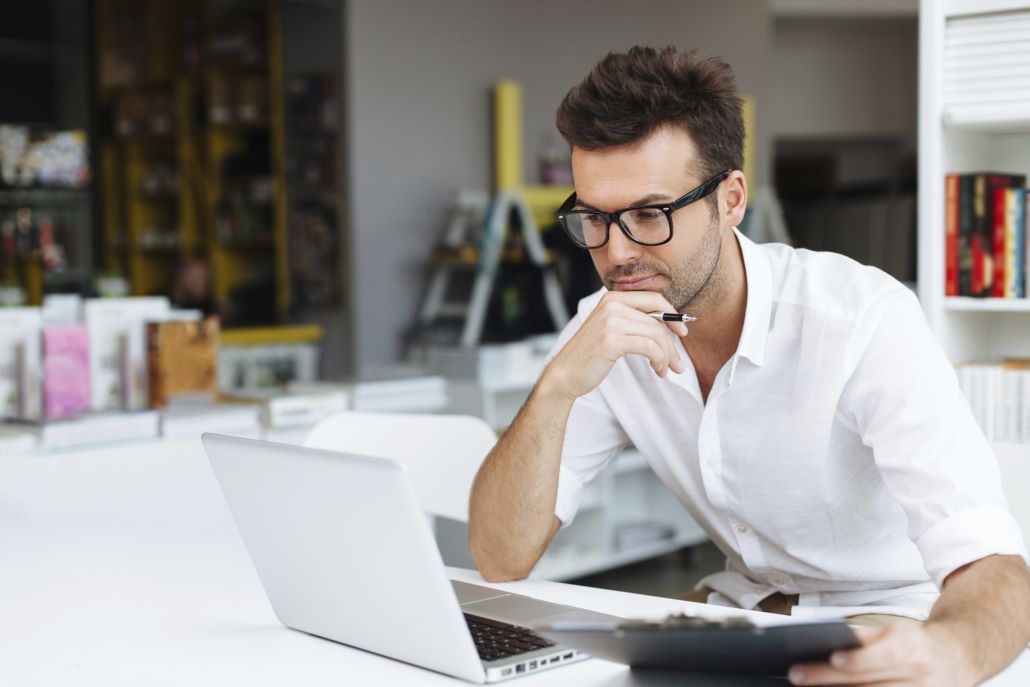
[779, 581]
[742, 528]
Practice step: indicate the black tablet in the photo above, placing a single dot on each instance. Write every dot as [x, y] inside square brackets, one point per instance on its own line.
[692, 644]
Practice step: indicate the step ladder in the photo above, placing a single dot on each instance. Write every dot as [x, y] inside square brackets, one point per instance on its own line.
[475, 238]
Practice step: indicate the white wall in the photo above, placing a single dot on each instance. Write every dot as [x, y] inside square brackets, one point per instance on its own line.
[844, 78]
[419, 80]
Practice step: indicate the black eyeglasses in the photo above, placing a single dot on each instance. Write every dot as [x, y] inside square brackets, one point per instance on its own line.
[648, 225]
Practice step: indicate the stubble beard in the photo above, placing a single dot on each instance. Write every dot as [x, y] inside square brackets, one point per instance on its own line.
[692, 284]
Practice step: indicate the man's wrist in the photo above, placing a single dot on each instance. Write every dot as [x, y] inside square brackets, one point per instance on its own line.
[954, 647]
[550, 389]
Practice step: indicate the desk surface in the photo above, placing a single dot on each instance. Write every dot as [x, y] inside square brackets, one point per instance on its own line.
[122, 566]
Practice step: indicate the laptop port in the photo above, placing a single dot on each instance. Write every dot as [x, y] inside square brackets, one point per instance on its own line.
[506, 671]
[532, 665]
[520, 668]
[567, 656]
[555, 659]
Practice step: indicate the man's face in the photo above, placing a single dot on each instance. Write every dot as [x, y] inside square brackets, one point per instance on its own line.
[661, 168]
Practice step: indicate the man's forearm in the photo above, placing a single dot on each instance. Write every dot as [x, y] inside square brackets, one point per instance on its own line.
[985, 611]
[511, 513]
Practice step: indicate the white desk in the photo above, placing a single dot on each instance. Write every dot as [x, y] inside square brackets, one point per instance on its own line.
[122, 566]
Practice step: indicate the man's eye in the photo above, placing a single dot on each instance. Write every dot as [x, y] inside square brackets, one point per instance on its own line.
[646, 215]
[595, 220]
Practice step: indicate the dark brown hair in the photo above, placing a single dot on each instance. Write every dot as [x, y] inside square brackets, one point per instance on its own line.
[628, 96]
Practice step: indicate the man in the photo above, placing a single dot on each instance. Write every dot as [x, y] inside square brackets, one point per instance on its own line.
[807, 418]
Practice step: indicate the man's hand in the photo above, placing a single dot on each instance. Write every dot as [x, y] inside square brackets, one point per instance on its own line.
[899, 655]
[618, 326]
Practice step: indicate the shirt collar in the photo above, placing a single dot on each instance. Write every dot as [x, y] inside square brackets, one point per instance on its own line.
[759, 301]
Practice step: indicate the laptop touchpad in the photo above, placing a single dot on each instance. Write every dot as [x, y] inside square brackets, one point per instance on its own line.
[516, 609]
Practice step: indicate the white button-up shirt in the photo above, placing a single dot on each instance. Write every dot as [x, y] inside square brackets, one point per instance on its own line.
[835, 458]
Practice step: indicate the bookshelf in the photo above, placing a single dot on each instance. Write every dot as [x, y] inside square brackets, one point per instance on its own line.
[970, 125]
[192, 149]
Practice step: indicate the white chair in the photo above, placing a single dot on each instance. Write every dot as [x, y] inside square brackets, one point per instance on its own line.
[1014, 463]
[441, 452]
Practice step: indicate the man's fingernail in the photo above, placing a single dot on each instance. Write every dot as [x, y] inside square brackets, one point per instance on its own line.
[796, 675]
[838, 660]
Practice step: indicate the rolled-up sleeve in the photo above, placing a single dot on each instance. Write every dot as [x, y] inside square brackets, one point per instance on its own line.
[592, 438]
[935, 461]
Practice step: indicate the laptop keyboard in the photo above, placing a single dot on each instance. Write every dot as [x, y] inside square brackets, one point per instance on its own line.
[496, 640]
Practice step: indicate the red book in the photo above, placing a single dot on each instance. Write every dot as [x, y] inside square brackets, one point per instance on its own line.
[982, 239]
[951, 230]
[998, 289]
[976, 247]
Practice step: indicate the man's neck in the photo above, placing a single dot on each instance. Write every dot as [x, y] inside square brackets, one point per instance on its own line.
[720, 309]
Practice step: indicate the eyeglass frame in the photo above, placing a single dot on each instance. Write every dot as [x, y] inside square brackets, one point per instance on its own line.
[703, 190]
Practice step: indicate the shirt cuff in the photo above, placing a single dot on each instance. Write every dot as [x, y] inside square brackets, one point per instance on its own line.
[966, 537]
[570, 491]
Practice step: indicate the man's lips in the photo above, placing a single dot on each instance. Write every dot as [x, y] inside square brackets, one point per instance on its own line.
[633, 284]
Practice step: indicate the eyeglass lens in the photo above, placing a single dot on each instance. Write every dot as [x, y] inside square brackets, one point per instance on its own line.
[646, 225]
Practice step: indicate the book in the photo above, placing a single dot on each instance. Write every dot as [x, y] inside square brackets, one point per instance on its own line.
[951, 238]
[184, 420]
[982, 232]
[93, 428]
[20, 372]
[66, 387]
[1022, 260]
[1010, 248]
[999, 397]
[117, 350]
[281, 408]
[182, 358]
[999, 220]
[399, 389]
[965, 233]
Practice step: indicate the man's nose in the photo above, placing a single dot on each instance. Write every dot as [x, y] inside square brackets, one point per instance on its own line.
[620, 248]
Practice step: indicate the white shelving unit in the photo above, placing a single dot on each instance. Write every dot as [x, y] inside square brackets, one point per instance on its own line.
[626, 493]
[972, 124]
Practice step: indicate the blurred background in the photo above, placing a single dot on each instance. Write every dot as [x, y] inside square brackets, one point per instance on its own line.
[365, 190]
[300, 162]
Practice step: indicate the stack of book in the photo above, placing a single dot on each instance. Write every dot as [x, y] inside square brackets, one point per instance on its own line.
[387, 389]
[285, 409]
[74, 373]
[999, 396]
[985, 248]
[494, 366]
[185, 417]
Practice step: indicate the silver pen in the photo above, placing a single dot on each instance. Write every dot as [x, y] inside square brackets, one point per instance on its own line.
[672, 317]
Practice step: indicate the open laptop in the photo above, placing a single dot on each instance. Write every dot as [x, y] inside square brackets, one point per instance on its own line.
[345, 552]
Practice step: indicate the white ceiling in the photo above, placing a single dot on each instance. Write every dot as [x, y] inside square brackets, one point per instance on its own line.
[844, 8]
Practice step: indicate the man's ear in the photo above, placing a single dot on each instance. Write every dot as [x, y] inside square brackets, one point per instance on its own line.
[734, 198]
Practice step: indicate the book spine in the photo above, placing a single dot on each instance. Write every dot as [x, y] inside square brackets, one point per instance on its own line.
[155, 375]
[1023, 252]
[997, 216]
[965, 236]
[66, 381]
[951, 224]
[978, 238]
[1011, 249]
[984, 224]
